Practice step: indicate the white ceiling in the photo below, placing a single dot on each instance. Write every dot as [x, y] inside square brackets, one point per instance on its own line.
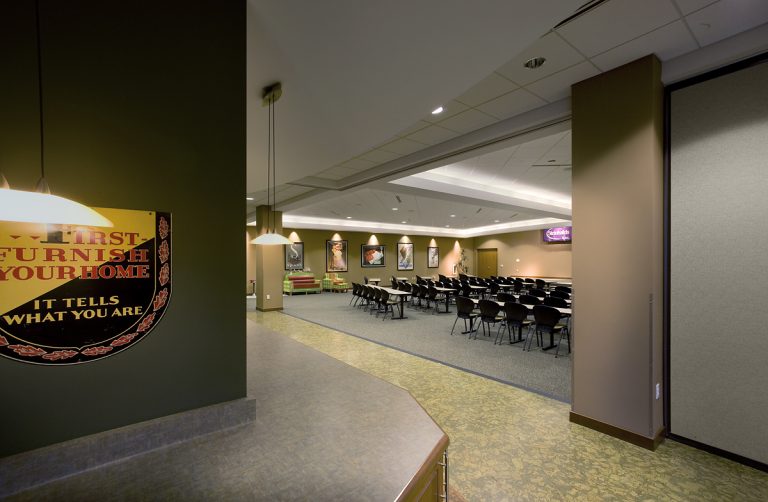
[364, 129]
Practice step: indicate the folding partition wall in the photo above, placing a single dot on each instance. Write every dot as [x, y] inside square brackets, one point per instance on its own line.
[718, 260]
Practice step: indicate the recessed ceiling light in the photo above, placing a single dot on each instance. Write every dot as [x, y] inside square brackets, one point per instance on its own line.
[349, 217]
[534, 63]
[437, 110]
[249, 198]
[495, 221]
[403, 221]
[447, 226]
[394, 209]
[453, 216]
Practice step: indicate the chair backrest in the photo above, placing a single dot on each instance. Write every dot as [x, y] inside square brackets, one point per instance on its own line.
[505, 297]
[494, 288]
[564, 289]
[365, 279]
[442, 278]
[423, 291]
[432, 292]
[465, 289]
[393, 282]
[560, 294]
[377, 294]
[545, 317]
[529, 280]
[517, 287]
[537, 292]
[515, 312]
[489, 310]
[464, 305]
[553, 301]
[529, 300]
[540, 283]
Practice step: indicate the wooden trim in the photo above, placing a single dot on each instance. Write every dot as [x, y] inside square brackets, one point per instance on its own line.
[428, 466]
[619, 433]
[268, 310]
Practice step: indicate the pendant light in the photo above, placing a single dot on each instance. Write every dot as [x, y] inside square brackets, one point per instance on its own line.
[270, 95]
[40, 206]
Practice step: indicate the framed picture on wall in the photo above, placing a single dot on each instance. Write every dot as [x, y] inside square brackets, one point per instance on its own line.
[405, 256]
[335, 256]
[294, 256]
[372, 256]
[433, 257]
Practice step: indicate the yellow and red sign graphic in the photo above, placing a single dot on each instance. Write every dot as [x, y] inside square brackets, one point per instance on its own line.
[71, 294]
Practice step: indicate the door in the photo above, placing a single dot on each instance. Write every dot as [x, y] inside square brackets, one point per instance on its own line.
[487, 260]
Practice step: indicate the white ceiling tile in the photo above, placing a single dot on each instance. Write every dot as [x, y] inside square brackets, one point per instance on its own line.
[558, 54]
[433, 135]
[490, 87]
[421, 124]
[358, 164]
[688, 6]
[512, 104]
[558, 86]
[379, 156]
[449, 110]
[616, 22]
[403, 146]
[726, 18]
[468, 121]
[666, 42]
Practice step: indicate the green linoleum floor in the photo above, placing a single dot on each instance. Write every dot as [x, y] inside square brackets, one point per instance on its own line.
[510, 444]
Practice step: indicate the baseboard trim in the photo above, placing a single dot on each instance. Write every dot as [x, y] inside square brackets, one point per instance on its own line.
[268, 310]
[755, 464]
[619, 433]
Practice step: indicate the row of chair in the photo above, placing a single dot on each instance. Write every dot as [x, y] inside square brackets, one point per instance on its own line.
[546, 320]
[374, 300]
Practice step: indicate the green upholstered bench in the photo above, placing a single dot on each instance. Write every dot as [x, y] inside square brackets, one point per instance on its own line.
[301, 282]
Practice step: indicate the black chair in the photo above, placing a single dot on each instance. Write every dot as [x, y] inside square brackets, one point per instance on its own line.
[365, 279]
[546, 322]
[434, 296]
[489, 315]
[553, 301]
[529, 281]
[515, 316]
[493, 290]
[355, 293]
[529, 300]
[564, 289]
[560, 294]
[541, 284]
[424, 295]
[387, 304]
[505, 297]
[517, 287]
[393, 282]
[375, 300]
[537, 292]
[465, 310]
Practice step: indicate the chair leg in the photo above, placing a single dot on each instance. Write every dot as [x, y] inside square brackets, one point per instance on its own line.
[454, 324]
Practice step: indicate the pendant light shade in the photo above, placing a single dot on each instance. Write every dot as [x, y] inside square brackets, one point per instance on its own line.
[271, 238]
[41, 206]
[33, 207]
[271, 94]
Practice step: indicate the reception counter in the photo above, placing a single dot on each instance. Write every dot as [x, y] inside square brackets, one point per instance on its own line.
[312, 428]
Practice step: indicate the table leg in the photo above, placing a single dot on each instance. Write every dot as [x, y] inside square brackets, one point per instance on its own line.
[402, 307]
[551, 342]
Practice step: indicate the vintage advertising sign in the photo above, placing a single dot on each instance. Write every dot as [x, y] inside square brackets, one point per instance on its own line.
[558, 234]
[73, 294]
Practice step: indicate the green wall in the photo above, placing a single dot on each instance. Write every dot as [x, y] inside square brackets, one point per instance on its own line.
[145, 109]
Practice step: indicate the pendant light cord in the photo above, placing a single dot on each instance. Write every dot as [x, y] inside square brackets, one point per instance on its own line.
[274, 168]
[40, 88]
[269, 159]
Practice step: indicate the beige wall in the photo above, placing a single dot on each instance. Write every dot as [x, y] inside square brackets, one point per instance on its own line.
[617, 256]
[314, 253]
[537, 258]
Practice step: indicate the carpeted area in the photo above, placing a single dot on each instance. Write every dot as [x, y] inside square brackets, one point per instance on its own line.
[427, 335]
